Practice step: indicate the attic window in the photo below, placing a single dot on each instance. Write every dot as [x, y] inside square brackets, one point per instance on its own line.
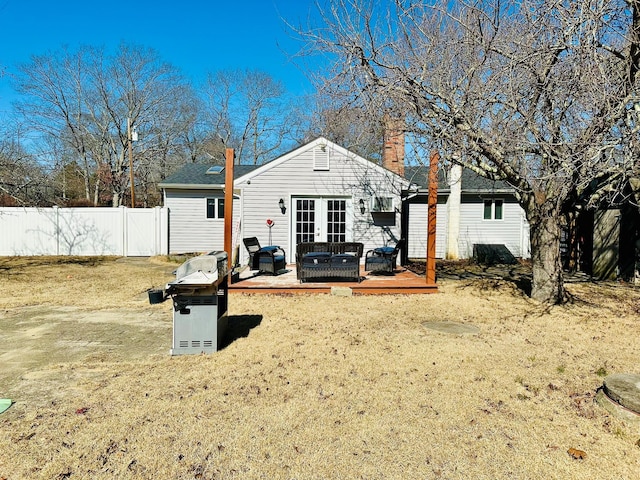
[215, 170]
[321, 158]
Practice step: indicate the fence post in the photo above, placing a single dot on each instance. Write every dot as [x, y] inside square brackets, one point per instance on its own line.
[123, 226]
[56, 209]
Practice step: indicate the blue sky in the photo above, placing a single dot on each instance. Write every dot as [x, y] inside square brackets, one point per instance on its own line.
[196, 36]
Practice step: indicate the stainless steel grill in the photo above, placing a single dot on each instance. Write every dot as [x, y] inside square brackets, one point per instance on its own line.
[200, 296]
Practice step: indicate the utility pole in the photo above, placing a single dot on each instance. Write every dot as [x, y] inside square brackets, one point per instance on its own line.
[131, 177]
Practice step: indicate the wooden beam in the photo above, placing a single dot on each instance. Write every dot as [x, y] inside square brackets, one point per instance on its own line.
[431, 217]
[228, 207]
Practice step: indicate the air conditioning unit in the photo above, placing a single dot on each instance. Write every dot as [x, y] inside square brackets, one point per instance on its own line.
[382, 212]
[382, 204]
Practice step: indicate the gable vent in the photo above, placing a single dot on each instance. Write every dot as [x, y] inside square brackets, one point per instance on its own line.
[321, 158]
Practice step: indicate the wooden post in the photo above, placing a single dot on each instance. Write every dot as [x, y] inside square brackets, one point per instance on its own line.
[431, 217]
[228, 207]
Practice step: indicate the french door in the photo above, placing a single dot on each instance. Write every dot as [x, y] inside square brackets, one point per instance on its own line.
[322, 219]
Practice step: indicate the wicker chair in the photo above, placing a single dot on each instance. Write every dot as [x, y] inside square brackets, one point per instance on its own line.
[383, 259]
[270, 259]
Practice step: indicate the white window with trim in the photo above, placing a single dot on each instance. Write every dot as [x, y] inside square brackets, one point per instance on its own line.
[493, 209]
[215, 207]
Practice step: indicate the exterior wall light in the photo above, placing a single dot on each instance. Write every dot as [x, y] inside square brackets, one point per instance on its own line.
[362, 209]
[283, 209]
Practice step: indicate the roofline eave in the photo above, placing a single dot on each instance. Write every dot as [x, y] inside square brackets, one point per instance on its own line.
[192, 186]
[504, 191]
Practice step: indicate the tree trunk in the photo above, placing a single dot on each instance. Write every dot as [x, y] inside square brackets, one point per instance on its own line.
[116, 199]
[548, 281]
[96, 192]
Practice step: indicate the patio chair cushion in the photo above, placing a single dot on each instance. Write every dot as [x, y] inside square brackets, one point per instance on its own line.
[269, 259]
[315, 258]
[344, 259]
[384, 250]
[380, 260]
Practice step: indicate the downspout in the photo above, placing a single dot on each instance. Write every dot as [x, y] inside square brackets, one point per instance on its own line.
[404, 227]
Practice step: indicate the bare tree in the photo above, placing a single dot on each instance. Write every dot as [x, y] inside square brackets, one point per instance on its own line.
[89, 99]
[248, 111]
[540, 94]
[22, 181]
[350, 126]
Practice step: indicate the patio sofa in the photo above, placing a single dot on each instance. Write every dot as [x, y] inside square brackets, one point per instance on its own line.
[328, 260]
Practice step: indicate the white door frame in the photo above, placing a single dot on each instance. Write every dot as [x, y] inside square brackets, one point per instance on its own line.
[321, 217]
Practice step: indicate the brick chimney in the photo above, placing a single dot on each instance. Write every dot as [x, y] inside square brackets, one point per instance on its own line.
[393, 148]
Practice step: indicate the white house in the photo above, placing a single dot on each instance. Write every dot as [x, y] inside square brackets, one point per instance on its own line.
[471, 210]
[322, 192]
[317, 192]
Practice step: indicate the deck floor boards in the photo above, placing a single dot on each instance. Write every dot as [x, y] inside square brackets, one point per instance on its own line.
[403, 281]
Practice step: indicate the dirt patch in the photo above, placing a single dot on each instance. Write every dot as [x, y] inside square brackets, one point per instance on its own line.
[311, 386]
[38, 337]
[56, 311]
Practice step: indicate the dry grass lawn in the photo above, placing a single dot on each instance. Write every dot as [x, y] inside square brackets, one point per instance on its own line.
[309, 387]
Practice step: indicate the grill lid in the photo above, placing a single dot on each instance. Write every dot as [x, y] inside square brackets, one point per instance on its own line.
[203, 263]
[201, 271]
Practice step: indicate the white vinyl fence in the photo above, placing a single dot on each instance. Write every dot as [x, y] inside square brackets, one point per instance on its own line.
[129, 232]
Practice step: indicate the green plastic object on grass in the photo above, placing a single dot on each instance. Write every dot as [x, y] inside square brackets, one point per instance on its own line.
[4, 404]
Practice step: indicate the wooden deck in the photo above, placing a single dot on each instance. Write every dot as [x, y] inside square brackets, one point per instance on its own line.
[402, 282]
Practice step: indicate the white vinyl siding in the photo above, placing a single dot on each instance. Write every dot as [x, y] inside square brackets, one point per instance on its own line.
[350, 178]
[190, 231]
[512, 230]
[418, 227]
[474, 228]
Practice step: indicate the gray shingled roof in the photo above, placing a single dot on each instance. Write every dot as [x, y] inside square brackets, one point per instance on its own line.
[196, 174]
[471, 181]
